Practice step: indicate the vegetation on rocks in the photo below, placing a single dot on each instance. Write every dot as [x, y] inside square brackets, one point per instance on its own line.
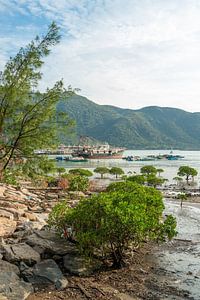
[125, 216]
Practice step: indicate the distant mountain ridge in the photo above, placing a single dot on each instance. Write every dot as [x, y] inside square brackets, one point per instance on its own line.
[147, 128]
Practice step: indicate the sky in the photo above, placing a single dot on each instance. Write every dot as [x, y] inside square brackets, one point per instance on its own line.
[127, 53]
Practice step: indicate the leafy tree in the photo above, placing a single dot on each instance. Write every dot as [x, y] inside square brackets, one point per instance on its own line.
[28, 120]
[187, 172]
[182, 196]
[147, 170]
[102, 171]
[60, 170]
[78, 183]
[159, 171]
[140, 179]
[154, 180]
[116, 171]
[81, 172]
[177, 179]
[118, 220]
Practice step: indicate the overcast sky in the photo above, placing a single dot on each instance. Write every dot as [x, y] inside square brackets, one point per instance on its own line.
[127, 53]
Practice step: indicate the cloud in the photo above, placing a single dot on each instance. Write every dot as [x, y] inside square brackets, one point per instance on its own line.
[129, 53]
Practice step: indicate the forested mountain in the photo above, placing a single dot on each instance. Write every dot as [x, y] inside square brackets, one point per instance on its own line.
[147, 128]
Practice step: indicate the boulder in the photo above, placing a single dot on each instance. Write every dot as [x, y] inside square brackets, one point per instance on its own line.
[46, 272]
[12, 288]
[5, 266]
[50, 243]
[79, 265]
[21, 252]
[7, 227]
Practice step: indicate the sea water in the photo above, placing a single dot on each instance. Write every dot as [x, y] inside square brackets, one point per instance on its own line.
[170, 167]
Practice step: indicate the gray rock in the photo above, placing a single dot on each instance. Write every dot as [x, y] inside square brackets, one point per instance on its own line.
[79, 265]
[46, 272]
[12, 288]
[8, 267]
[21, 252]
[50, 243]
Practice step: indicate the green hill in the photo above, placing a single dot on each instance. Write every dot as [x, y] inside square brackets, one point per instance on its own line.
[147, 128]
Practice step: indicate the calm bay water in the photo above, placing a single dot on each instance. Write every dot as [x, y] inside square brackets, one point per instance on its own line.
[191, 158]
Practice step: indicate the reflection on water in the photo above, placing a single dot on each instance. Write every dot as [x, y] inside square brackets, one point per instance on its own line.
[191, 158]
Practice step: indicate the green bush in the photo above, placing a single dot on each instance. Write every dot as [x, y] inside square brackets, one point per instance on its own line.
[108, 223]
[78, 183]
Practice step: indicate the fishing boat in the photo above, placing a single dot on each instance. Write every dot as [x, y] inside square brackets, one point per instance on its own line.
[102, 151]
[76, 159]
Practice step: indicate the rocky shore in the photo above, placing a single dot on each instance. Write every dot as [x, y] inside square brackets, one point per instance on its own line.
[37, 264]
[30, 254]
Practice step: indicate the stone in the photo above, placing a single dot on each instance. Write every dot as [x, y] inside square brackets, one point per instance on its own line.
[6, 214]
[50, 243]
[5, 266]
[2, 190]
[30, 216]
[21, 252]
[7, 227]
[46, 272]
[12, 288]
[79, 265]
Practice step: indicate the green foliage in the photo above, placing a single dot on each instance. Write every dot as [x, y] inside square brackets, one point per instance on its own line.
[146, 128]
[81, 172]
[60, 170]
[78, 183]
[111, 222]
[116, 171]
[102, 171]
[38, 166]
[140, 179]
[57, 217]
[9, 177]
[147, 170]
[187, 172]
[28, 120]
[154, 180]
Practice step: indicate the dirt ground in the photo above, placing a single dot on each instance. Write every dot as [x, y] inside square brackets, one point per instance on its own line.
[138, 280]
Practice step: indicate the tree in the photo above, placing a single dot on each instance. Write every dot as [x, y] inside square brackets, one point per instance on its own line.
[187, 172]
[28, 120]
[177, 179]
[182, 196]
[118, 220]
[154, 180]
[61, 170]
[147, 170]
[159, 171]
[81, 172]
[102, 171]
[116, 171]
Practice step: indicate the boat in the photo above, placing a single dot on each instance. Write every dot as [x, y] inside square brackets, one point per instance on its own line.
[102, 151]
[76, 159]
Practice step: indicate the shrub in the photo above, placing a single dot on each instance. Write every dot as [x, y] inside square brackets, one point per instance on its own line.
[111, 222]
[78, 183]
